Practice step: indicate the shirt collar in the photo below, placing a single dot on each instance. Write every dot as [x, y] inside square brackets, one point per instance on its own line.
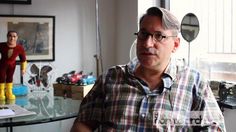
[170, 70]
[168, 76]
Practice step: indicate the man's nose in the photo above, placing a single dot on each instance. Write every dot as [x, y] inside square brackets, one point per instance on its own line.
[149, 42]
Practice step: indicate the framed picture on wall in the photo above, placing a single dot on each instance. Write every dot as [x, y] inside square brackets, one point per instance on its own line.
[16, 1]
[36, 34]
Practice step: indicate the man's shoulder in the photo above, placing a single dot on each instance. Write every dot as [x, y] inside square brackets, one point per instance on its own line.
[117, 69]
[190, 70]
[190, 73]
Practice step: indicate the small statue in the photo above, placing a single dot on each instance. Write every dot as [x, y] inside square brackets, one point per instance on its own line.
[9, 51]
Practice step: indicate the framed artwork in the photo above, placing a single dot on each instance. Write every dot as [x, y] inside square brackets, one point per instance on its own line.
[16, 1]
[36, 35]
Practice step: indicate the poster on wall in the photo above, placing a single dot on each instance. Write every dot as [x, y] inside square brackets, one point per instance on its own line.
[36, 34]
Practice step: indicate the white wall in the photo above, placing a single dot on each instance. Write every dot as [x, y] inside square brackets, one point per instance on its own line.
[108, 31]
[127, 13]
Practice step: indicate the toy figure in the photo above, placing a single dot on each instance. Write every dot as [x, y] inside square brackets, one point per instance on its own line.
[40, 75]
[87, 79]
[70, 78]
[9, 51]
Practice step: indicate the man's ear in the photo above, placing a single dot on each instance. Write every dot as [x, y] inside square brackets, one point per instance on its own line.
[176, 44]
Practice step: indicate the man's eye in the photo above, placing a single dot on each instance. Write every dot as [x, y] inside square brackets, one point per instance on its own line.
[158, 36]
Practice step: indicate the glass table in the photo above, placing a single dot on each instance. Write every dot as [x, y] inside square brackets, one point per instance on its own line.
[49, 108]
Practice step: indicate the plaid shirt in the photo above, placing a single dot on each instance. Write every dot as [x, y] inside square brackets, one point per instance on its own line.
[121, 102]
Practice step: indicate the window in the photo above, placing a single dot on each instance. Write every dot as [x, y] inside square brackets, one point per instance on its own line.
[143, 5]
[214, 50]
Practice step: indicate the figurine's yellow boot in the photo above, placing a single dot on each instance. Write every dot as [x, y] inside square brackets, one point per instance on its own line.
[2, 102]
[2, 91]
[9, 93]
[10, 101]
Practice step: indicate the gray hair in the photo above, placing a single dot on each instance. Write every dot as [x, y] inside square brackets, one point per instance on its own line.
[169, 21]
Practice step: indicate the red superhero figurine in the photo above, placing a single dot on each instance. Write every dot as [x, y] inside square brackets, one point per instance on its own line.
[9, 51]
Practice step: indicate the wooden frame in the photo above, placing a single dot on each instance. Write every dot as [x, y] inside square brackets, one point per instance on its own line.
[36, 34]
[16, 1]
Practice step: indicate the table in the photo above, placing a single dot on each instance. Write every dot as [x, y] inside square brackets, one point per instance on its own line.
[49, 108]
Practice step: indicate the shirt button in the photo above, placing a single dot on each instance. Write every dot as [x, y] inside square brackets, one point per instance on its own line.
[143, 115]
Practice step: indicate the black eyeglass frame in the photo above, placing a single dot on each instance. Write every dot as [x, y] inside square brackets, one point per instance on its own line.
[147, 34]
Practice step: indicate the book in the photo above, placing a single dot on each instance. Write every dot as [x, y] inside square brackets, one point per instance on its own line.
[5, 111]
[13, 110]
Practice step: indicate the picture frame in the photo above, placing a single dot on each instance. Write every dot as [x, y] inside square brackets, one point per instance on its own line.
[36, 35]
[16, 2]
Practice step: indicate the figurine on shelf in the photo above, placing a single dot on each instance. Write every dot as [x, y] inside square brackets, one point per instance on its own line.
[87, 79]
[39, 75]
[9, 51]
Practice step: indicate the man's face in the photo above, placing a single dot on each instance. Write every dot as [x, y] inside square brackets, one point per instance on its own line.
[12, 38]
[155, 54]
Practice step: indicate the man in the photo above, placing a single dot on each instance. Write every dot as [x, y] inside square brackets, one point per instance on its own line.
[149, 93]
[9, 51]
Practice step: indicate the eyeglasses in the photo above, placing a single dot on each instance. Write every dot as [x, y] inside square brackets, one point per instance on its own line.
[157, 36]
